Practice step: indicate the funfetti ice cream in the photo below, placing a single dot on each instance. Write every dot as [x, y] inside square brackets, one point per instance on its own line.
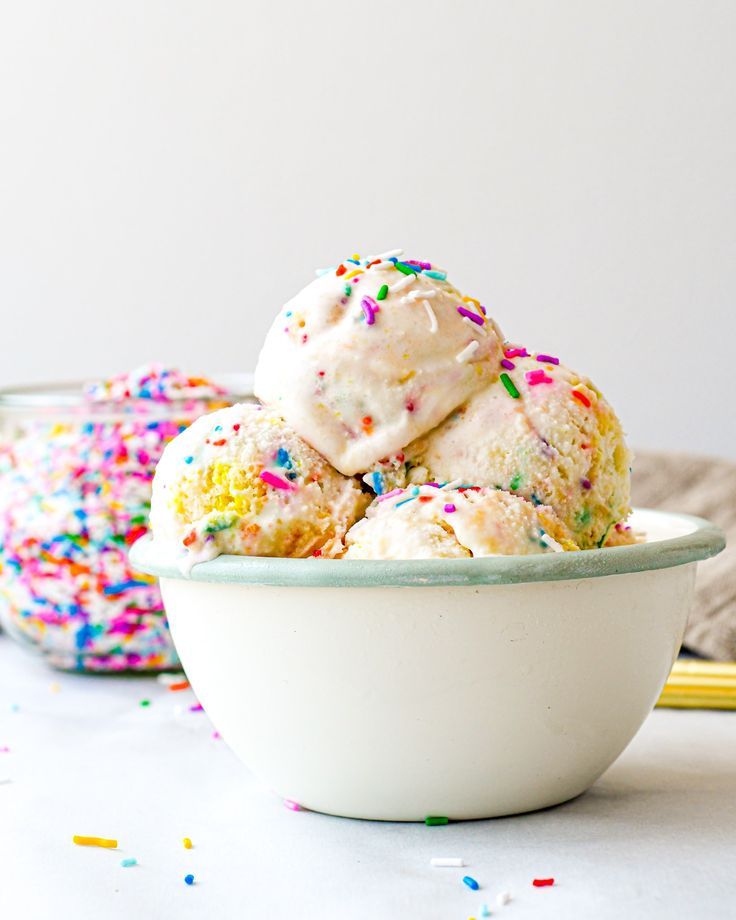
[540, 431]
[430, 522]
[242, 481]
[373, 354]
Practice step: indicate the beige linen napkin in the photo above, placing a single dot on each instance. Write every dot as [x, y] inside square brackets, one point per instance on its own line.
[706, 487]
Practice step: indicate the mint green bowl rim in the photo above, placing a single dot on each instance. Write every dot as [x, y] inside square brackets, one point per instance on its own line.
[702, 541]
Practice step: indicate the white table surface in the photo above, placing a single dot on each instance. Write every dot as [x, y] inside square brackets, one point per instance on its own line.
[654, 838]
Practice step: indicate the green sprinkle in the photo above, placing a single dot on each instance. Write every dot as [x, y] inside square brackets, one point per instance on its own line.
[435, 821]
[348, 290]
[510, 387]
[515, 482]
[584, 517]
[404, 269]
[381, 295]
[145, 702]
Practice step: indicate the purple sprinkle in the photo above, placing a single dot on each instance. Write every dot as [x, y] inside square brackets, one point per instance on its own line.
[548, 359]
[509, 365]
[196, 707]
[478, 320]
[586, 483]
[483, 309]
[425, 266]
[370, 308]
[449, 509]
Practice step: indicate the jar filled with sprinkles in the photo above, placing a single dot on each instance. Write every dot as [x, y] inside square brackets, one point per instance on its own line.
[76, 464]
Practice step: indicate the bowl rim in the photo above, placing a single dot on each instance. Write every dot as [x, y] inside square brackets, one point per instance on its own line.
[703, 540]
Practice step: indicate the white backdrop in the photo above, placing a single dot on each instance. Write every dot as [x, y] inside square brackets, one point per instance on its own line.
[171, 171]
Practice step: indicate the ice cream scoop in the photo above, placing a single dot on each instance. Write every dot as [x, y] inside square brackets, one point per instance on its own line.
[540, 431]
[242, 481]
[427, 521]
[373, 354]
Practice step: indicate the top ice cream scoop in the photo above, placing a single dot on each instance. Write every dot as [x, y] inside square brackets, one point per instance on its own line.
[373, 354]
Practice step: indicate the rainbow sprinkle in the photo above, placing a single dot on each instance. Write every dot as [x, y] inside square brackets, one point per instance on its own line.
[510, 386]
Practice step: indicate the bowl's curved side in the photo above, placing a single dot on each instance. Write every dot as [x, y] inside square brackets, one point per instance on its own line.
[396, 703]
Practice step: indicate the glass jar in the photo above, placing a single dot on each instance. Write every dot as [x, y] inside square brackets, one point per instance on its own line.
[75, 490]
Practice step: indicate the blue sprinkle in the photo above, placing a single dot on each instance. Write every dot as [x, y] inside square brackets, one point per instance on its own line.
[440, 276]
[377, 480]
[354, 261]
[282, 458]
[127, 863]
[218, 427]
[188, 459]
[123, 586]
[415, 490]
[292, 476]
[288, 312]
[403, 502]
[189, 879]
[471, 883]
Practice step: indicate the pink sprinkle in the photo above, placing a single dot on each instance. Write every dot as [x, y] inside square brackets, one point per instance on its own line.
[509, 365]
[516, 353]
[548, 359]
[478, 320]
[538, 376]
[216, 736]
[294, 806]
[196, 707]
[382, 498]
[449, 508]
[4, 750]
[370, 308]
[276, 481]
[425, 266]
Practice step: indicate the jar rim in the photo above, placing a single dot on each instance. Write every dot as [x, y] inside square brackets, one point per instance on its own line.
[69, 394]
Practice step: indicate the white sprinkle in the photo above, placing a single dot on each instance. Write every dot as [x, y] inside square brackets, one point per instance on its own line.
[440, 861]
[452, 485]
[382, 265]
[403, 283]
[323, 271]
[391, 254]
[552, 543]
[479, 330]
[431, 315]
[503, 899]
[420, 295]
[168, 679]
[467, 352]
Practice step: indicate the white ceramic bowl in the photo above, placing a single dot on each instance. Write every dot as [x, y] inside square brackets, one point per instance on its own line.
[465, 688]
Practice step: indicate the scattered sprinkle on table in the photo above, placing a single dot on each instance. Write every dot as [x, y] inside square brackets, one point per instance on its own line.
[127, 863]
[104, 842]
[543, 882]
[435, 820]
[442, 861]
[292, 805]
[187, 843]
[189, 879]
[503, 898]
[179, 685]
[145, 703]
[484, 911]
[470, 882]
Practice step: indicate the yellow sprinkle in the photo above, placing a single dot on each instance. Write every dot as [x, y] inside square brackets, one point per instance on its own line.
[187, 843]
[356, 257]
[353, 273]
[55, 688]
[472, 300]
[95, 842]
